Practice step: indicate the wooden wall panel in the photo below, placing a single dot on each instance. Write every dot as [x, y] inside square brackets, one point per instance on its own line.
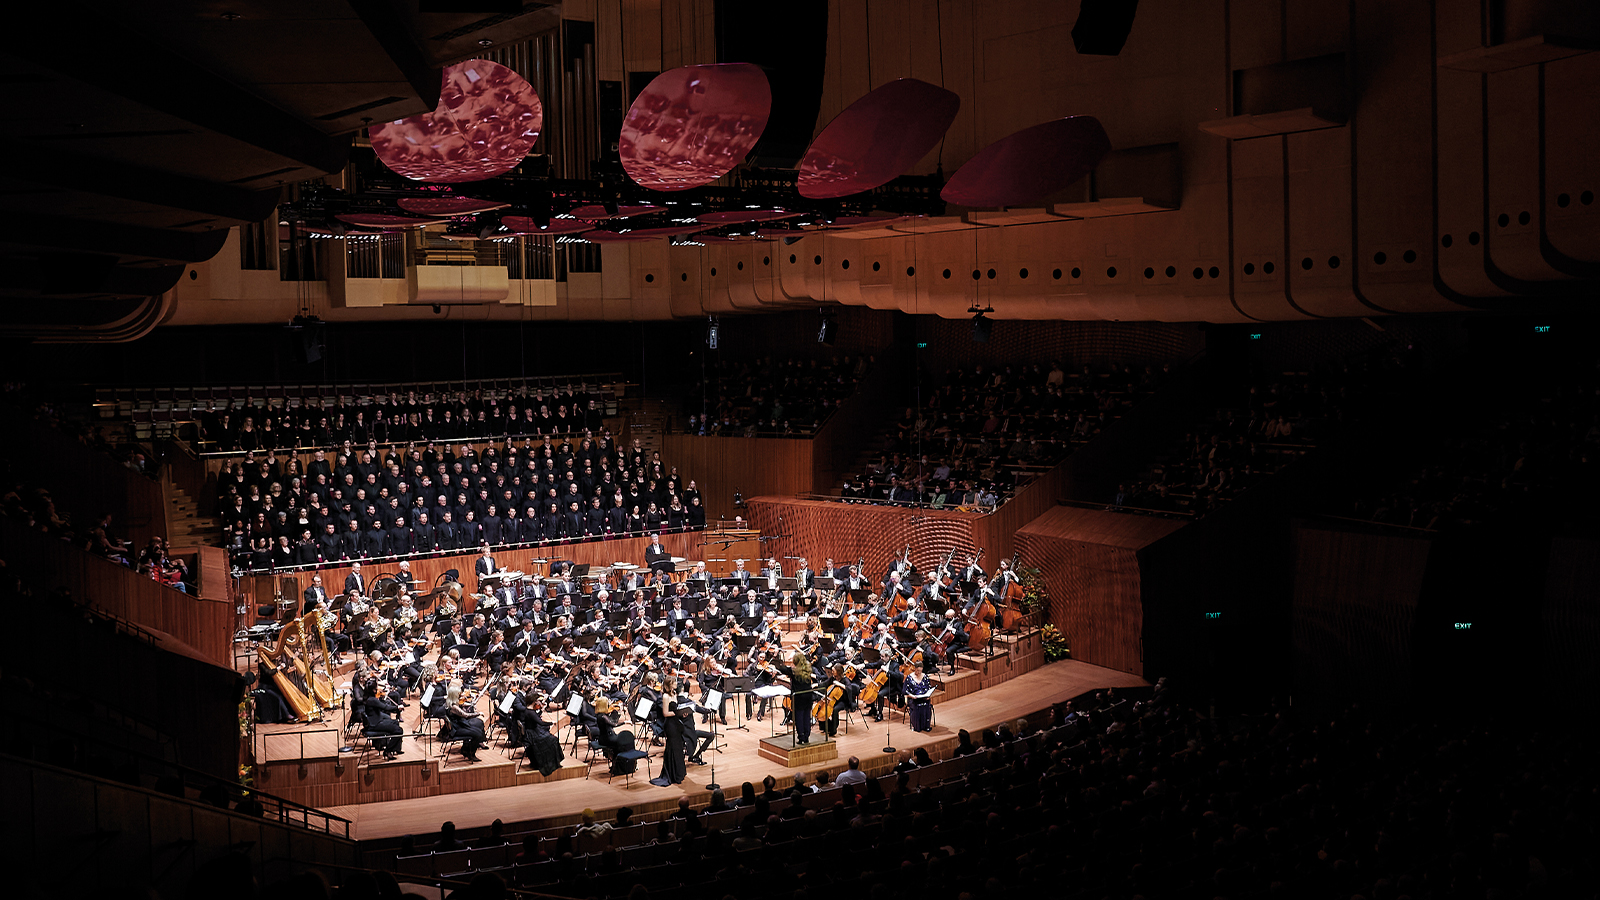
[1090, 563]
[818, 529]
[1571, 620]
[752, 466]
[1353, 611]
[86, 483]
[204, 626]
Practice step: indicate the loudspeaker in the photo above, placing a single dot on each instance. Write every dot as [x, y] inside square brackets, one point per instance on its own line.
[311, 344]
[827, 332]
[1103, 26]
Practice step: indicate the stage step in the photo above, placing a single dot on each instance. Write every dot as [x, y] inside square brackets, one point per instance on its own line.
[962, 683]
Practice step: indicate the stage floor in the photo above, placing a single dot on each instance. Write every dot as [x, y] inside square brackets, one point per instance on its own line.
[561, 800]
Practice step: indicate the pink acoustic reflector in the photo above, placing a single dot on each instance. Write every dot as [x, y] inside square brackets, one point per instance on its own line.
[594, 212]
[1030, 164]
[487, 120]
[877, 139]
[381, 220]
[525, 225]
[736, 216]
[636, 235]
[448, 206]
[693, 124]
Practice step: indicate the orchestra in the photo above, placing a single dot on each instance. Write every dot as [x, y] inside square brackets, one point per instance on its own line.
[584, 648]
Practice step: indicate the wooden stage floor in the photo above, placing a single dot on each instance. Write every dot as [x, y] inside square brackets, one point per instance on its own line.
[562, 799]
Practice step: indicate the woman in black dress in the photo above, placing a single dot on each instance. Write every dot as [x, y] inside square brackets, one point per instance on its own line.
[466, 724]
[801, 696]
[673, 767]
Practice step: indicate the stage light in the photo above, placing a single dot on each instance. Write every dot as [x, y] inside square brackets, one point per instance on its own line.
[711, 334]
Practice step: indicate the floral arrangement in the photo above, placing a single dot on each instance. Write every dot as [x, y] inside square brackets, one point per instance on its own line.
[1055, 644]
[246, 775]
[1034, 594]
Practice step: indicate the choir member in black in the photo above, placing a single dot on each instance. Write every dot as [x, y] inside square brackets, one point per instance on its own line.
[466, 724]
[381, 719]
[398, 537]
[423, 538]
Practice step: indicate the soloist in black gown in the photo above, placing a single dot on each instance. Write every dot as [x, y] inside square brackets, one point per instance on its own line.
[673, 767]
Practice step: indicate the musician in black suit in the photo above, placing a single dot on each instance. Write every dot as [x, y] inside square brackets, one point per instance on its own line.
[354, 583]
[404, 576]
[741, 573]
[750, 607]
[314, 594]
[381, 713]
[485, 566]
[655, 554]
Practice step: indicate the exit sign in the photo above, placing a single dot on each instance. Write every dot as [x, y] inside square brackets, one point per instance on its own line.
[1463, 626]
[1215, 615]
[1255, 335]
[1541, 329]
[922, 345]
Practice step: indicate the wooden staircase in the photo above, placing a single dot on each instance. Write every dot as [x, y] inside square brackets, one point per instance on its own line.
[185, 525]
[647, 421]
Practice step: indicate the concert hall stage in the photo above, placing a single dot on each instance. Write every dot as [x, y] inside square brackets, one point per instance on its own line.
[562, 798]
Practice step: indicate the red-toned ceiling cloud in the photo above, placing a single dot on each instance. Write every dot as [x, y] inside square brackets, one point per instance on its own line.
[1028, 165]
[877, 139]
[692, 125]
[487, 120]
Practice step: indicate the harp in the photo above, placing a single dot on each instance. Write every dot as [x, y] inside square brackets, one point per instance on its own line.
[298, 663]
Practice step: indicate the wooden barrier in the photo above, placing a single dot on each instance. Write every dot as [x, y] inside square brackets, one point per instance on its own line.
[206, 626]
[86, 483]
[819, 529]
[427, 570]
[751, 466]
[1090, 562]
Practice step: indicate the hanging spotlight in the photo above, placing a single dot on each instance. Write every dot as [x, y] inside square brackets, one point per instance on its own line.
[981, 326]
[711, 332]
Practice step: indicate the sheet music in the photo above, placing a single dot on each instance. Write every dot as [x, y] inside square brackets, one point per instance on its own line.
[575, 705]
[714, 699]
[505, 704]
[427, 697]
[644, 707]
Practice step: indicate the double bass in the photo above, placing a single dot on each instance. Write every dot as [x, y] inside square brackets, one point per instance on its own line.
[979, 629]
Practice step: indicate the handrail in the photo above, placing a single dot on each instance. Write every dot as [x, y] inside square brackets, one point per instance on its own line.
[419, 879]
[286, 810]
[1375, 523]
[473, 439]
[1111, 507]
[520, 545]
[416, 386]
[915, 504]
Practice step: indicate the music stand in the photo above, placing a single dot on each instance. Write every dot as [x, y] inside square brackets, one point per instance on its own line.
[832, 624]
[772, 692]
[825, 582]
[905, 635]
[733, 686]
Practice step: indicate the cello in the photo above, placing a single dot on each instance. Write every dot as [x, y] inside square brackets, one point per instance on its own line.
[979, 629]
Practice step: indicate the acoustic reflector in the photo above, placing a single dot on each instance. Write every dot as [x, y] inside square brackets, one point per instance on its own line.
[693, 125]
[1029, 165]
[877, 139]
[487, 120]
